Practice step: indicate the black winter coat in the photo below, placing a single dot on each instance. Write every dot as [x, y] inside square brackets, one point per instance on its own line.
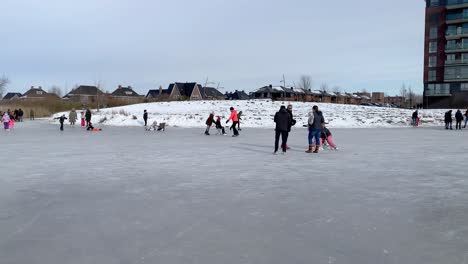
[88, 115]
[283, 120]
[293, 122]
[145, 115]
[459, 116]
[448, 116]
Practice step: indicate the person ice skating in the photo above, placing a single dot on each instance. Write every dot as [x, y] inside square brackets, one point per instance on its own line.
[145, 117]
[11, 124]
[6, 121]
[31, 114]
[458, 119]
[82, 117]
[415, 118]
[283, 122]
[448, 120]
[61, 120]
[88, 116]
[209, 122]
[239, 118]
[315, 122]
[72, 116]
[466, 118]
[327, 137]
[234, 119]
[219, 126]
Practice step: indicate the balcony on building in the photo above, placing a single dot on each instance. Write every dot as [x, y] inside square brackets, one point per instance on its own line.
[456, 4]
[438, 89]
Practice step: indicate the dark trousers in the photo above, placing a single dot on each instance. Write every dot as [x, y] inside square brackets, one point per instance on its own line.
[88, 121]
[284, 138]
[233, 127]
[448, 125]
[458, 125]
[61, 126]
[146, 121]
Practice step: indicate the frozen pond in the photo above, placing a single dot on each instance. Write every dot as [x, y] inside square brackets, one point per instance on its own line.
[128, 196]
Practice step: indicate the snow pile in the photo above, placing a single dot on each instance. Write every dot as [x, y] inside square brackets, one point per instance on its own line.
[259, 113]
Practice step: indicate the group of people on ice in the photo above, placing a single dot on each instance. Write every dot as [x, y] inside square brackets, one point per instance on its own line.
[234, 117]
[318, 135]
[85, 119]
[459, 116]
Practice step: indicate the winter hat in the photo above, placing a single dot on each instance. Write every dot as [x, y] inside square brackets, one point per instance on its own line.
[232, 108]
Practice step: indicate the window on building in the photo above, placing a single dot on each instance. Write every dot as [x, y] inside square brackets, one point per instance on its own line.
[434, 3]
[438, 89]
[465, 57]
[433, 33]
[432, 76]
[451, 30]
[464, 87]
[432, 47]
[465, 13]
[432, 61]
[450, 59]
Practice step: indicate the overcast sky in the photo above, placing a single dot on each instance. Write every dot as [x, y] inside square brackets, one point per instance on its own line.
[243, 44]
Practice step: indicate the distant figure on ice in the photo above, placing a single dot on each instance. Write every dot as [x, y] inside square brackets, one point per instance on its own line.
[415, 121]
[88, 116]
[61, 120]
[458, 119]
[448, 120]
[145, 117]
[31, 114]
[6, 121]
[328, 138]
[235, 121]
[209, 122]
[283, 123]
[91, 128]
[20, 115]
[315, 122]
[82, 117]
[219, 126]
[466, 118]
[239, 118]
[72, 116]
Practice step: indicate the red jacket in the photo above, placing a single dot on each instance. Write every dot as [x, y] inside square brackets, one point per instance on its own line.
[233, 116]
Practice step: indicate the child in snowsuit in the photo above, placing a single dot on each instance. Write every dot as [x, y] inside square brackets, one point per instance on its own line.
[61, 120]
[219, 126]
[327, 137]
[11, 124]
[82, 119]
[6, 121]
[209, 123]
[239, 117]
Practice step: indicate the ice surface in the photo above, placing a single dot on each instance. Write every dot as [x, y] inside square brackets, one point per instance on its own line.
[260, 113]
[125, 195]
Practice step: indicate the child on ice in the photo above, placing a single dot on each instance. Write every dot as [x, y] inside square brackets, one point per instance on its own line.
[6, 121]
[82, 119]
[61, 120]
[219, 126]
[327, 137]
[209, 123]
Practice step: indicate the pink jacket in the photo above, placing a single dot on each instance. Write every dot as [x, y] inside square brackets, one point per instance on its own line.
[233, 116]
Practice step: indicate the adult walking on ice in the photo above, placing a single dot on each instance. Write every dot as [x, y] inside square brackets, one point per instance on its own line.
[235, 121]
[88, 116]
[448, 120]
[458, 119]
[316, 122]
[415, 118]
[283, 125]
[72, 116]
[145, 117]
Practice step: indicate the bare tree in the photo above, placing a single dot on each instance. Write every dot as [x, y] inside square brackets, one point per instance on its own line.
[404, 93]
[324, 87]
[4, 81]
[305, 82]
[55, 89]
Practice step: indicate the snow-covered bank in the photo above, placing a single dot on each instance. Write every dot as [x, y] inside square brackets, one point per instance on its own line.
[259, 113]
